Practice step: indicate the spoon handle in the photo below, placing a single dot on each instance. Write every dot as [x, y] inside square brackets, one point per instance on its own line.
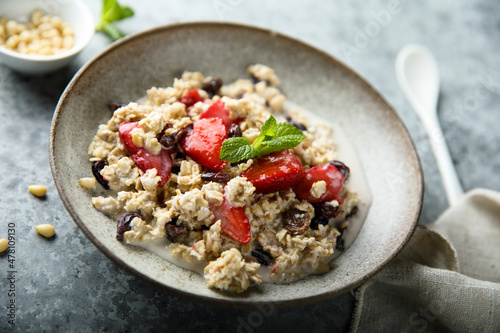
[449, 176]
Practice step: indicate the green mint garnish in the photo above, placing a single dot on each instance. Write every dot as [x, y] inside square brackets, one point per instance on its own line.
[273, 137]
[112, 11]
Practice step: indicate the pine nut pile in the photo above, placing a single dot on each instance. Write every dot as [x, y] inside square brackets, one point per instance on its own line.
[43, 35]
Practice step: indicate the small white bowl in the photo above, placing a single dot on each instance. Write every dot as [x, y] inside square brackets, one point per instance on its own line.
[74, 12]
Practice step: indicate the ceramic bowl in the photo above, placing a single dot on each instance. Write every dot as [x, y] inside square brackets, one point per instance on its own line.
[74, 12]
[309, 77]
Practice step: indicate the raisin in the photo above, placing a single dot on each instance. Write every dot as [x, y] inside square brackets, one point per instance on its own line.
[340, 244]
[162, 133]
[316, 221]
[256, 80]
[343, 169]
[236, 163]
[212, 86]
[340, 241]
[351, 214]
[169, 140]
[124, 224]
[97, 166]
[174, 231]
[325, 210]
[234, 131]
[217, 177]
[296, 221]
[176, 169]
[160, 197]
[115, 106]
[295, 123]
[262, 256]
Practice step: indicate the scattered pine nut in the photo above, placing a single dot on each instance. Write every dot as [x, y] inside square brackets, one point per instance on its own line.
[87, 182]
[46, 230]
[3, 245]
[37, 190]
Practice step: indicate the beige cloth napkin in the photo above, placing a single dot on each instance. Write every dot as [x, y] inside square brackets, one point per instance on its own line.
[446, 279]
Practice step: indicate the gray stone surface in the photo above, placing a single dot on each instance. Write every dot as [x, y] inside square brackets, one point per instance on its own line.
[66, 284]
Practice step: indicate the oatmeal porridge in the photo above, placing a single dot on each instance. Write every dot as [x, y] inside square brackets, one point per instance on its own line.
[230, 180]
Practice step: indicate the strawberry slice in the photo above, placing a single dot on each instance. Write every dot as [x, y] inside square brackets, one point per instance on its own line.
[218, 110]
[234, 221]
[275, 172]
[142, 157]
[328, 173]
[191, 98]
[204, 141]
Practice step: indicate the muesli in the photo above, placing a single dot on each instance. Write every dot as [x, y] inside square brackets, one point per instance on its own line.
[225, 177]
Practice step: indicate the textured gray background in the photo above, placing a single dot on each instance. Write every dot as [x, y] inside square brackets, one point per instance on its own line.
[66, 284]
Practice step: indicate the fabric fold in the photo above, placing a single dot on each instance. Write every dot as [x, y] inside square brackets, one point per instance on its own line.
[446, 279]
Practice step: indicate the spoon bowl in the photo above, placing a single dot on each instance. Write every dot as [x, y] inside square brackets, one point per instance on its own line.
[420, 72]
[418, 75]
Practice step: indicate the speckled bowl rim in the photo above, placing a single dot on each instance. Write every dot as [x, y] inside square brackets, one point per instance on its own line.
[238, 302]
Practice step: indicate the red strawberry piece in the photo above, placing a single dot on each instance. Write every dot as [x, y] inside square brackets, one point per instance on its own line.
[234, 221]
[275, 172]
[191, 98]
[204, 141]
[218, 109]
[328, 173]
[142, 157]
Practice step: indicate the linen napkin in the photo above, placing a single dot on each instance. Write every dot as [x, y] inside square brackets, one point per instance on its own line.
[446, 279]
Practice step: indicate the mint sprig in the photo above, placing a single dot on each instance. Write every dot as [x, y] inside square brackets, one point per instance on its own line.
[273, 137]
[112, 11]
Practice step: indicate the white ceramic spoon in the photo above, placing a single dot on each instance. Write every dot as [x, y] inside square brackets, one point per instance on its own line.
[418, 76]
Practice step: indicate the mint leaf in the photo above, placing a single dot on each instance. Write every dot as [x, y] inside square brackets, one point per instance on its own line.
[237, 149]
[267, 131]
[112, 11]
[286, 129]
[281, 143]
[111, 30]
[272, 137]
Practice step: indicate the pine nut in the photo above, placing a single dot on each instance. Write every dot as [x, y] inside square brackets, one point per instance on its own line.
[46, 230]
[44, 35]
[3, 245]
[37, 190]
[87, 182]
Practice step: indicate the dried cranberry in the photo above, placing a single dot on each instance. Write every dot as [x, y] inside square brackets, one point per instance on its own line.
[115, 106]
[295, 123]
[169, 140]
[97, 166]
[234, 131]
[218, 177]
[296, 221]
[174, 231]
[124, 224]
[262, 256]
[212, 86]
[343, 169]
